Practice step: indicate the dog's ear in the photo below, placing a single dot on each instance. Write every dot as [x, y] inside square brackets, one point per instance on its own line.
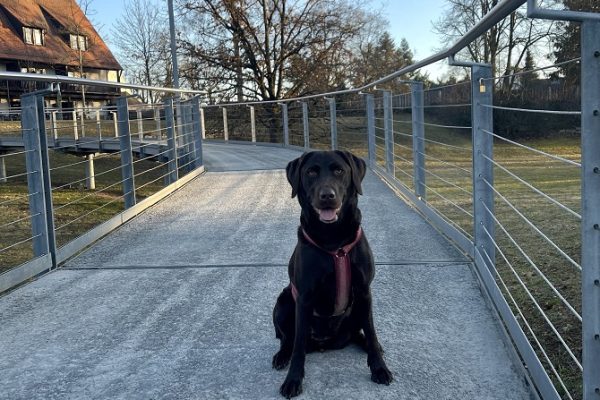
[293, 173]
[358, 167]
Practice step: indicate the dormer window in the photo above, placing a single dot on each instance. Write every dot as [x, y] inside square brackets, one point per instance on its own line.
[34, 36]
[78, 42]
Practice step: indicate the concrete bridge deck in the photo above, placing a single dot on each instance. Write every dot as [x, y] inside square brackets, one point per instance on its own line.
[177, 303]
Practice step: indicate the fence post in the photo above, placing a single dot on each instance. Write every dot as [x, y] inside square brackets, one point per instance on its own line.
[370, 105]
[253, 124]
[98, 125]
[198, 118]
[286, 126]
[388, 127]
[418, 139]
[171, 143]
[54, 127]
[590, 198]
[483, 169]
[140, 124]
[187, 133]
[333, 123]
[3, 174]
[90, 176]
[75, 131]
[38, 175]
[202, 124]
[225, 127]
[156, 111]
[126, 152]
[306, 131]
[115, 123]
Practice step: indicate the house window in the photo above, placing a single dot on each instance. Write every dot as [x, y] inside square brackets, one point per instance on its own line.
[78, 42]
[32, 70]
[33, 36]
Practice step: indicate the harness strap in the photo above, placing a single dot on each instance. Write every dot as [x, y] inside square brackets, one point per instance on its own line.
[343, 272]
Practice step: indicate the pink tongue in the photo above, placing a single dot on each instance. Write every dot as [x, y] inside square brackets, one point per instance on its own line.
[327, 215]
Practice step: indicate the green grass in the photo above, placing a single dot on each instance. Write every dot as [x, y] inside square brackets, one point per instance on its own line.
[77, 209]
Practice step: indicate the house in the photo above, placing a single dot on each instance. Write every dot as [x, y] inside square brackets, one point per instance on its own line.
[54, 37]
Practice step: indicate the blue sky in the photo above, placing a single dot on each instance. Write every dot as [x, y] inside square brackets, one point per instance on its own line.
[410, 19]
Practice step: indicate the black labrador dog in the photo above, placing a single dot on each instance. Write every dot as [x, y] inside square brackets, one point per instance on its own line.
[328, 302]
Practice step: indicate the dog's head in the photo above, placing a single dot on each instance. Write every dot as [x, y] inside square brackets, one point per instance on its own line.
[326, 181]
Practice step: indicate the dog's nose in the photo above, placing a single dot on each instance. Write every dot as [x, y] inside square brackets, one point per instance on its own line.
[327, 194]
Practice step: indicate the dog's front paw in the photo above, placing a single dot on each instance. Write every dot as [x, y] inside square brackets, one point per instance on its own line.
[280, 360]
[381, 375]
[292, 387]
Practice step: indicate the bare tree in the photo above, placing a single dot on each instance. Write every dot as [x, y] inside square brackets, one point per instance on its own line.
[505, 45]
[141, 39]
[270, 49]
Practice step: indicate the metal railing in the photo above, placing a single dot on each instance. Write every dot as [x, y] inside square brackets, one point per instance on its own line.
[526, 212]
[83, 172]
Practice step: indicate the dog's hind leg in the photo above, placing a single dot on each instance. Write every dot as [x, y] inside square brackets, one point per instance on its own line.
[284, 321]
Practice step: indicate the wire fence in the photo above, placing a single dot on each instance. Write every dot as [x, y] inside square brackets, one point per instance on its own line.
[495, 162]
[65, 173]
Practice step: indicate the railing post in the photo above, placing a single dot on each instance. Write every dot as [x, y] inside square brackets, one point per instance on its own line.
[115, 123]
[3, 174]
[305, 129]
[82, 118]
[90, 176]
[187, 135]
[225, 127]
[590, 199]
[98, 125]
[140, 124]
[171, 143]
[370, 106]
[156, 111]
[54, 127]
[75, 131]
[253, 124]
[333, 123]
[198, 118]
[126, 152]
[388, 127]
[483, 170]
[202, 124]
[286, 126]
[418, 139]
[38, 176]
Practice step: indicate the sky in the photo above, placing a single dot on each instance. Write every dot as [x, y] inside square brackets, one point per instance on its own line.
[409, 19]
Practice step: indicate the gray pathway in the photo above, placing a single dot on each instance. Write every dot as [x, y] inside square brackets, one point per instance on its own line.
[177, 304]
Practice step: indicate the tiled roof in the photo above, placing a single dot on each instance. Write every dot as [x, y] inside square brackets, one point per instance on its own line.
[57, 18]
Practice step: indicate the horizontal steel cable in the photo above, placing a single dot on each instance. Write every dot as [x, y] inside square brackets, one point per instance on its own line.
[446, 126]
[450, 146]
[56, 208]
[19, 220]
[429, 188]
[526, 323]
[19, 243]
[534, 265]
[150, 170]
[90, 212]
[538, 191]
[448, 182]
[447, 105]
[532, 149]
[447, 163]
[530, 71]
[532, 225]
[537, 305]
[529, 110]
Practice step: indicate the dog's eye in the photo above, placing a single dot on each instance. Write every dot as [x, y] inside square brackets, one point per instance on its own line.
[312, 173]
[338, 171]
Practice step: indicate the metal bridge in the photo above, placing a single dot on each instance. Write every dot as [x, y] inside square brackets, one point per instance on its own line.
[149, 269]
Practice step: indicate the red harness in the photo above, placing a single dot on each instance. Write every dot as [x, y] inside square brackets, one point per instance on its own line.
[343, 273]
